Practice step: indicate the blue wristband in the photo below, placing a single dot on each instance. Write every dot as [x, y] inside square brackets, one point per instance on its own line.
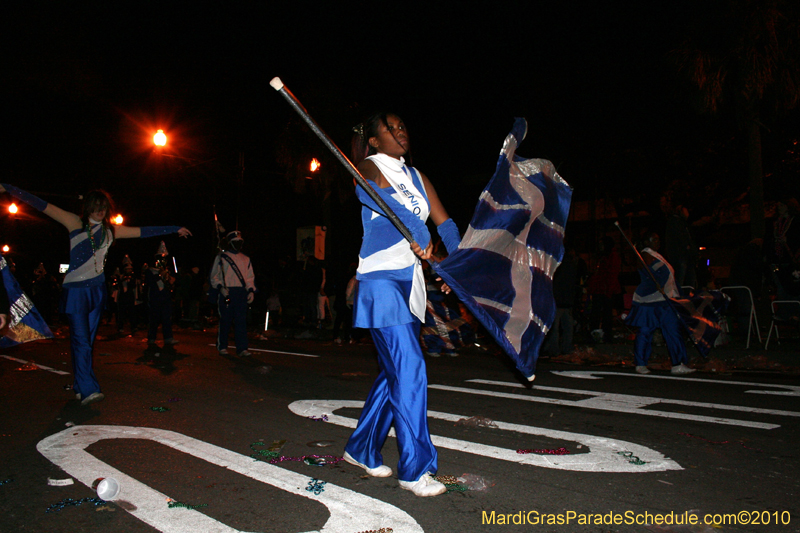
[451, 238]
[155, 231]
[30, 199]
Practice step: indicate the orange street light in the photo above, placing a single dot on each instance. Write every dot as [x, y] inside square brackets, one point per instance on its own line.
[118, 220]
[159, 139]
[315, 165]
[6, 249]
[13, 209]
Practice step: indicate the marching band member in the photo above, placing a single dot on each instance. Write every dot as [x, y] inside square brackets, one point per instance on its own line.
[232, 275]
[390, 302]
[84, 288]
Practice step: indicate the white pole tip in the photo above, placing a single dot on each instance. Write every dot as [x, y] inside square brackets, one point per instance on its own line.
[276, 83]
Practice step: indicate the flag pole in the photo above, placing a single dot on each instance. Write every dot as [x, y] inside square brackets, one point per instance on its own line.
[639, 255]
[278, 85]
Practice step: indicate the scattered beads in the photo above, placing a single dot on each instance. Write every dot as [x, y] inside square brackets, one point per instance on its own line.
[275, 457]
[381, 530]
[451, 482]
[323, 418]
[556, 451]
[632, 459]
[159, 409]
[69, 502]
[316, 486]
[6, 481]
[455, 487]
[173, 503]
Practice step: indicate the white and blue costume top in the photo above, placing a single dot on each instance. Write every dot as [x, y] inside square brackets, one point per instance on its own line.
[647, 292]
[385, 254]
[86, 264]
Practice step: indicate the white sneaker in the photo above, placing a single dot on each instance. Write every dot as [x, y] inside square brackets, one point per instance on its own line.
[223, 351]
[93, 397]
[378, 471]
[642, 370]
[682, 370]
[424, 486]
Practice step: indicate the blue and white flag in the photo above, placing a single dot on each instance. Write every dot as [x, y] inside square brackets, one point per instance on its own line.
[503, 268]
[25, 322]
[701, 315]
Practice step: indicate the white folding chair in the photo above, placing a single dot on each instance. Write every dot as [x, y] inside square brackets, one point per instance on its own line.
[742, 295]
[783, 312]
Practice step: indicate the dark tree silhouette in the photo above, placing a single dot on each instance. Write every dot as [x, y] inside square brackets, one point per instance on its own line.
[744, 57]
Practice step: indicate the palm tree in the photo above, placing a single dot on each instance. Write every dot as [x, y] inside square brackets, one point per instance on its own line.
[744, 57]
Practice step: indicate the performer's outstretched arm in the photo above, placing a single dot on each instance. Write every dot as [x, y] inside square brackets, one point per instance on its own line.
[71, 221]
[132, 232]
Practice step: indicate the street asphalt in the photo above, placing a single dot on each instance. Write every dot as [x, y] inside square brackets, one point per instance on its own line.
[186, 433]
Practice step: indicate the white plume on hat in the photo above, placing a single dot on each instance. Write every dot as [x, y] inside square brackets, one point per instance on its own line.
[162, 250]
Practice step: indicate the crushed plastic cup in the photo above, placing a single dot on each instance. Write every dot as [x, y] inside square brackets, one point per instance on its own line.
[107, 488]
[475, 482]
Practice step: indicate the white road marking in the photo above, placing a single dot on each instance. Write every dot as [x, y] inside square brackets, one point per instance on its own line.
[793, 390]
[604, 454]
[53, 370]
[623, 403]
[350, 511]
[276, 351]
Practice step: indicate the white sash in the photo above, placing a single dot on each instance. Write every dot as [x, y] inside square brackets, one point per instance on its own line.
[400, 255]
[670, 288]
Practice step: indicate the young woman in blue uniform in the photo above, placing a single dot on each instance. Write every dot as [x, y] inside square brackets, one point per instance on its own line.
[84, 289]
[390, 302]
[651, 310]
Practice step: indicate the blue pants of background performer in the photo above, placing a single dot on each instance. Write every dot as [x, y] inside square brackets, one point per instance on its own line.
[664, 317]
[235, 311]
[84, 308]
[399, 396]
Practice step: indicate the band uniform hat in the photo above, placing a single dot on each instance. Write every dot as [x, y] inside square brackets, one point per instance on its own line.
[235, 235]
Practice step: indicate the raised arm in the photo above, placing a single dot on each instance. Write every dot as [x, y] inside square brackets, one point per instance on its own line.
[71, 221]
[131, 232]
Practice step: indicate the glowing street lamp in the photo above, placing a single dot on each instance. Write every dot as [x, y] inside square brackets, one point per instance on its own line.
[315, 165]
[118, 220]
[159, 139]
[13, 209]
[6, 248]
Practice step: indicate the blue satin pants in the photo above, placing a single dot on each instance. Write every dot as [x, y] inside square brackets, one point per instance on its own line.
[399, 396]
[664, 318]
[84, 309]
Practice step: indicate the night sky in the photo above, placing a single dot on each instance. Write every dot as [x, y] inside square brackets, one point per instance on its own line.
[86, 86]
